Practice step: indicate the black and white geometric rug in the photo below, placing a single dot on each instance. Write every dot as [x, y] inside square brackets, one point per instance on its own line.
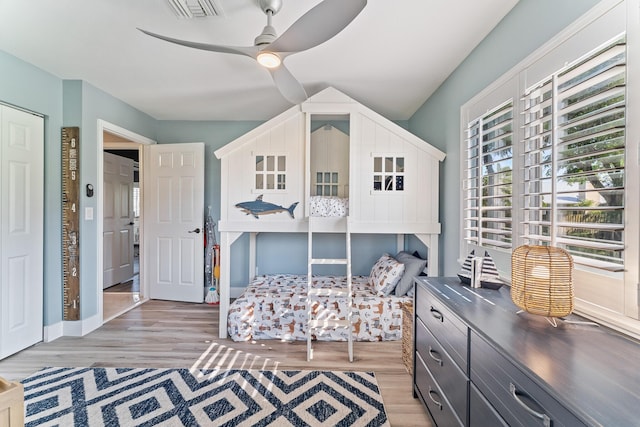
[176, 397]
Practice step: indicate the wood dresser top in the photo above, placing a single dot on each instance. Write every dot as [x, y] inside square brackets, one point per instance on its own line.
[593, 371]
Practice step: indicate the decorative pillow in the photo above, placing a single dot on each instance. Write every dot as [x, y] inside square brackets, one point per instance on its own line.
[425, 270]
[413, 266]
[385, 274]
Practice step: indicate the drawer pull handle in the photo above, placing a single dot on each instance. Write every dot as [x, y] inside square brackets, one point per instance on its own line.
[434, 355]
[437, 314]
[515, 393]
[435, 393]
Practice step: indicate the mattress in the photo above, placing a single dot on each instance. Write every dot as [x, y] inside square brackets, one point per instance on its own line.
[275, 307]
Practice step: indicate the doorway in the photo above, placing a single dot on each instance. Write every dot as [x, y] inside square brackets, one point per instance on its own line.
[120, 229]
[129, 292]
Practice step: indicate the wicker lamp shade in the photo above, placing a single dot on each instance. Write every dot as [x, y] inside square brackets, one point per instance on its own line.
[541, 280]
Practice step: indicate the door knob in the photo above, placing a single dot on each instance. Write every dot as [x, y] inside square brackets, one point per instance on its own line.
[131, 223]
[197, 230]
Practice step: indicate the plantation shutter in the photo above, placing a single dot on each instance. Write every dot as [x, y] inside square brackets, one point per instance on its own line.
[574, 159]
[488, 178]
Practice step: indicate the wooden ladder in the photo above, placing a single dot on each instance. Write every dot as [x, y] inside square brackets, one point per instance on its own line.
[314, 323]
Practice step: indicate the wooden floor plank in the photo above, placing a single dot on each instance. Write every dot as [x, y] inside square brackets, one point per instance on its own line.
[166, 334]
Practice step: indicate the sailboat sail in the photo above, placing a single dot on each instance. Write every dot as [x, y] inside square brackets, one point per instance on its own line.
[465, 274]
[489, 276]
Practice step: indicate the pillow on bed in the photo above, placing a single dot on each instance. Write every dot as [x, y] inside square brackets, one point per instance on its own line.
[413, 266]
[385, 274]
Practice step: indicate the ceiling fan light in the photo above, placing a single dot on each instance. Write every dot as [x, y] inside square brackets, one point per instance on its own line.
[268, 59]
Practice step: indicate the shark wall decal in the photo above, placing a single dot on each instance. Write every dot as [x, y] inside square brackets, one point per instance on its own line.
[258, 207]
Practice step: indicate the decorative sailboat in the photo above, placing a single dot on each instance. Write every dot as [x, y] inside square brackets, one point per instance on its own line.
[489, 277]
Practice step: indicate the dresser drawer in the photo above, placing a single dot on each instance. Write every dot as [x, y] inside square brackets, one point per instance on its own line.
[451, 380]
[519, 400]
[481, 413]
[445, 326]
[433, 397]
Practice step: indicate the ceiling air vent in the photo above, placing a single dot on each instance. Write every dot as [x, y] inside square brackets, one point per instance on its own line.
[196, 8]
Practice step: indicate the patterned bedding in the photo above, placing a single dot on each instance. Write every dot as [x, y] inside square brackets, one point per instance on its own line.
[328, 206]
[274, 307]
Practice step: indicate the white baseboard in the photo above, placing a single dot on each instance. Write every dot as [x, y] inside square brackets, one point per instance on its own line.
[80, 328]
[52, 332]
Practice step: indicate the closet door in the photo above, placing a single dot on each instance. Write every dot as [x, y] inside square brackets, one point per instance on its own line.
[21, 230]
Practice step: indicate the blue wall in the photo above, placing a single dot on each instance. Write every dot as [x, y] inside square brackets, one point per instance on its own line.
[97, 104]
[528, 26]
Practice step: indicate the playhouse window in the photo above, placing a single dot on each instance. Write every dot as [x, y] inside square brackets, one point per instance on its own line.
[388, 173]
[271, 172]
[327, 184]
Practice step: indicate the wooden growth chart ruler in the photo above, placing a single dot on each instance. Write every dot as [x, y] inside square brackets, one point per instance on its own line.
[71, 222]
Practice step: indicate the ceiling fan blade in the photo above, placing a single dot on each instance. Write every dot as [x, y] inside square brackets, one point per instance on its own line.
[250, 51]
[288, 86]
[318, 25]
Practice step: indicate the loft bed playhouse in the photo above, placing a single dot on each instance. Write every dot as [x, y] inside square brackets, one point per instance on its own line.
[294, 175]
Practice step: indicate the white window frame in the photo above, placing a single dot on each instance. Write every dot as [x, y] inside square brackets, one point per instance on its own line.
[385, 173]
[617, 303]
[266, 173]
[332, 184]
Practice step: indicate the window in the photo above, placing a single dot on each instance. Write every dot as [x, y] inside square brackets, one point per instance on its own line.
[575, 161]
[327, 184]
[572, 151]
[271, 172]
[488, 178]
[574, 172]
[388, 173]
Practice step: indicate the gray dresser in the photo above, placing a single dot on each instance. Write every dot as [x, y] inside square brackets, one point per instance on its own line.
[479, 363]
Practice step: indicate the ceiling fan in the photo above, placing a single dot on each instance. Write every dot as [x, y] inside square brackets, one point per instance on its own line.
[318, 25]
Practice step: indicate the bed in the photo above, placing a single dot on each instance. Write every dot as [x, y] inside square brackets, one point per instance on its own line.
[293, 150]
[275, 307]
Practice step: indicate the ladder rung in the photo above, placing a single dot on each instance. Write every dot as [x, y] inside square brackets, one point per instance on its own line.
[328, 261]
[328, 292]
[329, 323]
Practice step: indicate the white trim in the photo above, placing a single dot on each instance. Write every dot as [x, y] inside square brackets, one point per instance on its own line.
[137, 141]
[632, 158]
[623, 324]
[53, 332]
[80, 328]
[24, 110]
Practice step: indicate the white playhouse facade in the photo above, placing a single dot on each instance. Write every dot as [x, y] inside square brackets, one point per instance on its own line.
[368, 176]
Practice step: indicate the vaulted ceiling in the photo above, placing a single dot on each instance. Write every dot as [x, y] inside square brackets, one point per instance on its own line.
[391, 57]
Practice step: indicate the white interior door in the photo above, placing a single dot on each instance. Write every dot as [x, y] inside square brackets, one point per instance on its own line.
[117, 220]
[174, 215]
[21, 232]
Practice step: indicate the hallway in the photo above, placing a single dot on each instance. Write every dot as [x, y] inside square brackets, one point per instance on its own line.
[124, 296]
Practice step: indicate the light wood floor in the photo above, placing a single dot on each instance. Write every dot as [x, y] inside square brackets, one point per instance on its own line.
[168, 334]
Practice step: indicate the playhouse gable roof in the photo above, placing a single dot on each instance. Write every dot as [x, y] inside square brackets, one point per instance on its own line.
[329, 101]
